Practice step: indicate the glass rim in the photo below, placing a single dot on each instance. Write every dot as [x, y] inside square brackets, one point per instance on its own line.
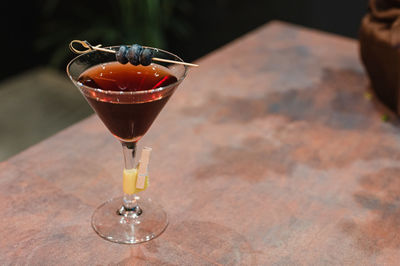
[159, 89]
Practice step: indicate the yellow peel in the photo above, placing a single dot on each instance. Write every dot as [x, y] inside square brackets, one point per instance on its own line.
[129, 181]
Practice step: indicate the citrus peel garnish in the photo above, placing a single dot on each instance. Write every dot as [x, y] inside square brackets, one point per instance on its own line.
[129, 181]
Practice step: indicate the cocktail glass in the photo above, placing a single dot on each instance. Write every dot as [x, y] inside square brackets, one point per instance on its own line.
[132, 218]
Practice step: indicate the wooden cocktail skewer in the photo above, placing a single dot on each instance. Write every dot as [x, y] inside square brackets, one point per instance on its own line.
[90, 47]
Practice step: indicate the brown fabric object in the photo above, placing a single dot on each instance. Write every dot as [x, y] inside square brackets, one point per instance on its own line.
[380, 50]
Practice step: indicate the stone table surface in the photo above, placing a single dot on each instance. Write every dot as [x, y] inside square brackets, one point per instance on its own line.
[270, 153]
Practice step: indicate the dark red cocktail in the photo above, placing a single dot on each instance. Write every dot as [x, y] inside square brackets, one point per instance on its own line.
[128, 121]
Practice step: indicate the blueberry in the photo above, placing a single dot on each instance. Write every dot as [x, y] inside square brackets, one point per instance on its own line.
[146, 56]
[120, 55]
[133, 54]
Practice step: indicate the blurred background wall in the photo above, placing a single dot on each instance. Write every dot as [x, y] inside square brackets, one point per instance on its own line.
[36, 33]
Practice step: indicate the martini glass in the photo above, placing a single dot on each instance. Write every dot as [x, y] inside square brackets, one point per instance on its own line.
[131, 218]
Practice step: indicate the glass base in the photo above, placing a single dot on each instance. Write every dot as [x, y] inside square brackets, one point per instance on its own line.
[116, 224]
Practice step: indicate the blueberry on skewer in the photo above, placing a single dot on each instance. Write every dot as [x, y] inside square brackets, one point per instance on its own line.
[120, 55]
[133, 54]
[146, 56]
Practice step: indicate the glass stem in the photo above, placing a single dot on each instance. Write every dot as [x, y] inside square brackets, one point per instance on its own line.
[129, 149]
[129, 203]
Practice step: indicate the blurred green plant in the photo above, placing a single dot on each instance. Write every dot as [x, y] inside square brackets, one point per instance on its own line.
[146, 22]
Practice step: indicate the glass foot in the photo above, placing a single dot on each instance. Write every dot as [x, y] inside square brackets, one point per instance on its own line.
[119, 225]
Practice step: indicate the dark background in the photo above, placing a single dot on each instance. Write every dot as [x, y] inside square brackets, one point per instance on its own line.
[37, 33]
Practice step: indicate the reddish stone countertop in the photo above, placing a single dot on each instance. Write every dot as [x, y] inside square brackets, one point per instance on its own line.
[269, 152]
